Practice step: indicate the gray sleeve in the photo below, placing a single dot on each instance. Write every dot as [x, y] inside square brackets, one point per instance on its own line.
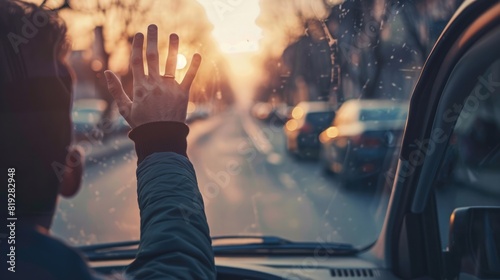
[175, 238]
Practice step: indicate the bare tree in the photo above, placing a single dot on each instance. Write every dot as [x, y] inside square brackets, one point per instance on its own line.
[116, 21]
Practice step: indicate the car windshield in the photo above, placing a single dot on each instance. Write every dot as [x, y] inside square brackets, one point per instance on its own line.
[260, 171]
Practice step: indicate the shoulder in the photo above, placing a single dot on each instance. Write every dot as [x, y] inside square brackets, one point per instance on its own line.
[40, 256]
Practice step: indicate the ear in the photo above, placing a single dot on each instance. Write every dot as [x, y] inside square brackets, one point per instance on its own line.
[73, 172]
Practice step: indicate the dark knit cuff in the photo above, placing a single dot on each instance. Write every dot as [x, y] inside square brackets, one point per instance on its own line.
[158, 137]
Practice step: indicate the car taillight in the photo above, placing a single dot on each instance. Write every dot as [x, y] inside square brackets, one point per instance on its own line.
[368, 167]
[366, 142]
[306, 128]
[371, 142]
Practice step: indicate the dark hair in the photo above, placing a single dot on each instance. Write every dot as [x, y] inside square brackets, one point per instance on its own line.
[35, 102]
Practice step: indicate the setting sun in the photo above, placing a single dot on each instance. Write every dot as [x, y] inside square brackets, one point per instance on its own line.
[234, 24]
[181, 61]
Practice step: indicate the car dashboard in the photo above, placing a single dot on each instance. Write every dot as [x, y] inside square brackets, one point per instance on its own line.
[269, 268]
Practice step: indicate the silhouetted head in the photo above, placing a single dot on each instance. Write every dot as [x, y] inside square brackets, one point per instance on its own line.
[35, 103]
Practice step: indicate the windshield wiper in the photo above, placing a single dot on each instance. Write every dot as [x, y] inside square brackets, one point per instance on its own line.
[110, 251]
[273, 245]
[231, 245]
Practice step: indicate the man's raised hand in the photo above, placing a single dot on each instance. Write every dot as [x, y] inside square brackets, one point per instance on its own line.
[155, 98]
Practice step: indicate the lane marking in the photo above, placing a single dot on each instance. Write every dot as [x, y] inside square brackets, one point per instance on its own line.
[274, 158]
[287, 181]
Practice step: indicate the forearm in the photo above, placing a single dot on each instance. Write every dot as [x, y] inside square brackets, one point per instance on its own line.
[175, 238]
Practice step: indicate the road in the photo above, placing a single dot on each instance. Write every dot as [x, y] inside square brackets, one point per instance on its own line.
[249, 184]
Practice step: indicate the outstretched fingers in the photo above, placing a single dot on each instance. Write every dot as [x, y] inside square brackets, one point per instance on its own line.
[152, 51]
[136, 60]
[173, 49]
[191, 73]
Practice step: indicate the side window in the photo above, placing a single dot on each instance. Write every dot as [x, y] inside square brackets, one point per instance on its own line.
[470, 172]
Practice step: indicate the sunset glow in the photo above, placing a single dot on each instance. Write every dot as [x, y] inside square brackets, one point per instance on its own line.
[234, 24]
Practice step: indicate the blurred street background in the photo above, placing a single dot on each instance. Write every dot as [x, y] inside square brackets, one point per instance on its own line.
[265, 132]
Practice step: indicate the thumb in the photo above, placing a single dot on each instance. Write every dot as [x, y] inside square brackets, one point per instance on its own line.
[116, 89]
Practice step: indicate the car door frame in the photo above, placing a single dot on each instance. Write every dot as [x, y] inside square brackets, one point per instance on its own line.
[409, 244]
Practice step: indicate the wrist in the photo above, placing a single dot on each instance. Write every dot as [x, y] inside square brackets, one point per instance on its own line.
[164, 136]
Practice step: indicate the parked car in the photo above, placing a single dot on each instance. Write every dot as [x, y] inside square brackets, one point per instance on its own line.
[119, 125]
[198, 111]
[274, 114]
[278, 115]
[261, 110]
[86, 115]
[363, 135]
[309, 119]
